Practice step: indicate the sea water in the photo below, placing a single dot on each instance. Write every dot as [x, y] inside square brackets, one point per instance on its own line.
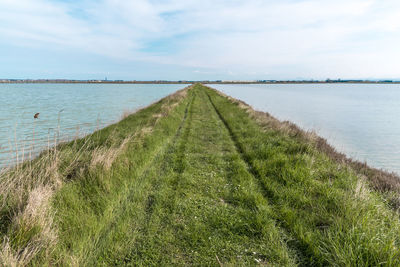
[66, 111]
[361, 120]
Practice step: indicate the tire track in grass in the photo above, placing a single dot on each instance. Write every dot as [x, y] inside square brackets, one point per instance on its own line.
[117, 213]
[299, 247]
[245, 194]
[173, 235]
[176, 147]
[204, 224]
[162, 222]
[178, 163]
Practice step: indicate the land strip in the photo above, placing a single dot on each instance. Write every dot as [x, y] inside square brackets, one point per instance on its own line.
[196, 180]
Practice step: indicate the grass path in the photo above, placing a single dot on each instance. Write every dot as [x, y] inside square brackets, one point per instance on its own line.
[202, 183]
[199, 210]
[200, 206]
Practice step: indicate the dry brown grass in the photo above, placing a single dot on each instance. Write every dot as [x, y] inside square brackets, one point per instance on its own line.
[383, 181]
[26, 192]
[10, 257]
[36, 214]
[106, 156]
[361, 190]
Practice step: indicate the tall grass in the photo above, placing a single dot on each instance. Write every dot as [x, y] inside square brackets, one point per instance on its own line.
[195, 179]
[28, 186]
[320, 197]
[385, 182]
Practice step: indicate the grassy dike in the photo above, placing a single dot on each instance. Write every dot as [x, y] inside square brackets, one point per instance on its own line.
[195, 179]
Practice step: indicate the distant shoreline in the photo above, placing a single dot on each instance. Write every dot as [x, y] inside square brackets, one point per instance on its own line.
[42, 81]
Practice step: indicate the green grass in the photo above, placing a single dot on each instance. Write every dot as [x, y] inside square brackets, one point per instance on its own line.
[196, 180]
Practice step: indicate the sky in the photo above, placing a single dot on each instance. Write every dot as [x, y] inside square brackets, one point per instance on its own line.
[200, 39]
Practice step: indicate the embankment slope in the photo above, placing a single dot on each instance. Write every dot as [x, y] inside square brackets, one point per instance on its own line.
[195, 179]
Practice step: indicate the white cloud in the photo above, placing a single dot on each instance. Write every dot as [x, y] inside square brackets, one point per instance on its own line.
[311, 38]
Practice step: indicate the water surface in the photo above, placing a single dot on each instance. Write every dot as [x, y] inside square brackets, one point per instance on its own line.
[74, 109]
[361, 120]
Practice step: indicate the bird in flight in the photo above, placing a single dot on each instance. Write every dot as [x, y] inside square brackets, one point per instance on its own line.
[36, 116]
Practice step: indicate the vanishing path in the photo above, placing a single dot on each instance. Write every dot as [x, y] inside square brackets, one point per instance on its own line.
[202, 206]
[204, 183]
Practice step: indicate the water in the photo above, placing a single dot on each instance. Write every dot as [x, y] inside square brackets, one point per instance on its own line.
[361, 120]
[78, 109]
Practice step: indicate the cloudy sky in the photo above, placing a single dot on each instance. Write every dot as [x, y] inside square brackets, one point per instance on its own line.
[199, 39]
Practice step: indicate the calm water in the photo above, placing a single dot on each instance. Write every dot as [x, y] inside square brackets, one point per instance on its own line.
[361, 120]
[80, 109]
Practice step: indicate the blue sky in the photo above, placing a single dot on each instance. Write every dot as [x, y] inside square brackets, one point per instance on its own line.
[193, 39]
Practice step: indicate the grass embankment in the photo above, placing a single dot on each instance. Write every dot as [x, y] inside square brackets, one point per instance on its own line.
[194, 179]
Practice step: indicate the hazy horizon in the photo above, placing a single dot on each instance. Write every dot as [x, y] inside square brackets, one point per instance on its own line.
[205, 79]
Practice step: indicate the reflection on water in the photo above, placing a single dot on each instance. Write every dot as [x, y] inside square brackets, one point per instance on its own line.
[361, 120]
[67, 111]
